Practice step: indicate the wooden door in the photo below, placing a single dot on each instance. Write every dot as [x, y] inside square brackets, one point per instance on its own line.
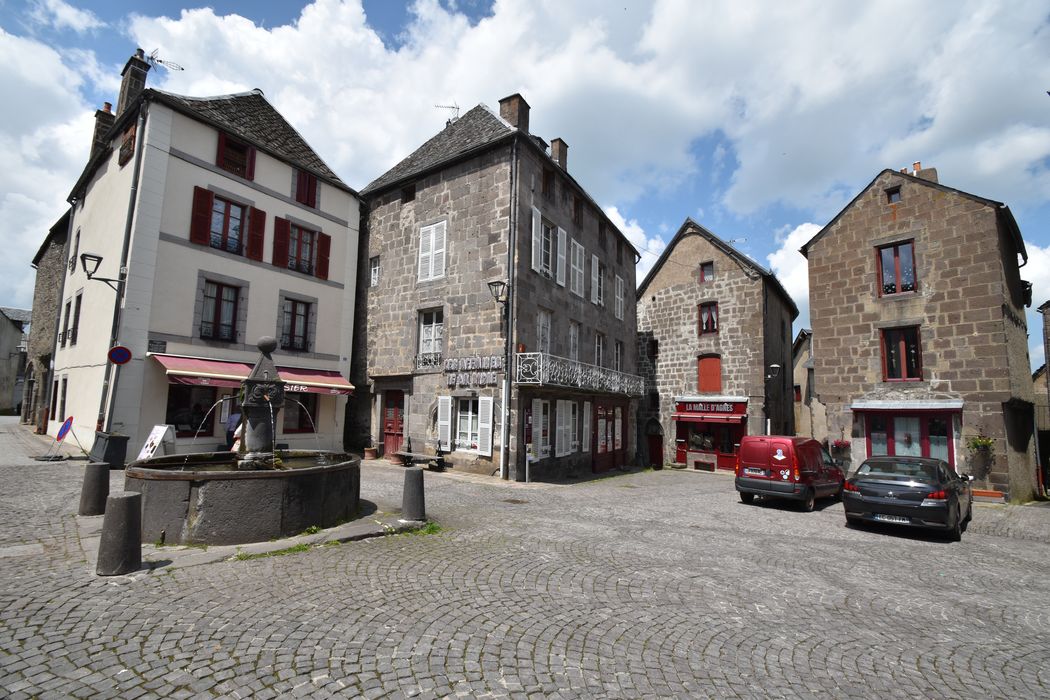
[393, 422]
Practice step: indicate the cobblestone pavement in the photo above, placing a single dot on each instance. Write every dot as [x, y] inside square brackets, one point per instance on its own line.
[649, 584]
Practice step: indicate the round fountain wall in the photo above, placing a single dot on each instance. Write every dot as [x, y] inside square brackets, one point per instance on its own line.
[205, 499]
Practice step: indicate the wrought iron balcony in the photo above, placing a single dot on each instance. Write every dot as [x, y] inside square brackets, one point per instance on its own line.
[550, 370]
[428, 360]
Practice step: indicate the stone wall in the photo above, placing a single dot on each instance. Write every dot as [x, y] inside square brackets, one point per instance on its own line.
[47, 303]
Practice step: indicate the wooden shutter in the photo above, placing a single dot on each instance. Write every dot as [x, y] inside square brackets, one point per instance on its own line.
[444, 425]
[619, 297]
[561, 256]
[710, 374]
[256, 233]
[586, 426]
[537, 240]
[200, 219]
[281, 232]
[221, 152]
[425, 244]
[324, 249]
[437, 255]
[594, 279]
[249, 170]
[485, 425]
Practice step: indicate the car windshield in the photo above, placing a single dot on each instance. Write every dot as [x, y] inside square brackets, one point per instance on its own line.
[898, 470]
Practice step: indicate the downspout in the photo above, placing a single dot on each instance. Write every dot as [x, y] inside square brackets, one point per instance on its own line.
[504, 446]
[109, 390]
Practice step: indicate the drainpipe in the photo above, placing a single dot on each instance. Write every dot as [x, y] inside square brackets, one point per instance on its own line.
[508, 310]
[109, 389]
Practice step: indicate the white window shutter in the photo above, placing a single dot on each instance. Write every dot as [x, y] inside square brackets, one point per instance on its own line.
[561, 256]
[559, 446]
[425, 235]
[537, 240]
[586, 426]
[485, 425]
[537, 429]
[444, 422]
[594, 279]
[437, 255]
[619, 297]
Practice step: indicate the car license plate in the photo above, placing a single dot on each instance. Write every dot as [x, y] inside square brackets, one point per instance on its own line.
[754, 471]
[891, 518]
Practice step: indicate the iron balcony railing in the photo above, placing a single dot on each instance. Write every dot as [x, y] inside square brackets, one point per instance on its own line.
[550, 370]
[428, 360]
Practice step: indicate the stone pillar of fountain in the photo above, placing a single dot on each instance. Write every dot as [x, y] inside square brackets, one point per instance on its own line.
[263, 400]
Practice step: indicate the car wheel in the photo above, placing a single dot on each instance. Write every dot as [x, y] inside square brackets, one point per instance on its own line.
[969, 513]
[955, 534]
[851, 521]
[746, 497]
[809, 502]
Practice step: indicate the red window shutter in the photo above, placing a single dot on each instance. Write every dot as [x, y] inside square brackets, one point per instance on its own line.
[250, 174]
[710, 369]
[200, 219]
[313, 191]
[324, 248]
[221, 152]
[256, 233]
[281, 232]
[301, 185]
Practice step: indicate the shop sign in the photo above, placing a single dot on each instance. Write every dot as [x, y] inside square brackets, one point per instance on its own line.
[705, 407]
[473, 371]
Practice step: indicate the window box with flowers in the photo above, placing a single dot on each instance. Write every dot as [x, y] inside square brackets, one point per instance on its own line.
[839, 447]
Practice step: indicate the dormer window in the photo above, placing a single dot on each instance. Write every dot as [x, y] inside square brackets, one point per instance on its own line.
[236, 156]
[408, 193]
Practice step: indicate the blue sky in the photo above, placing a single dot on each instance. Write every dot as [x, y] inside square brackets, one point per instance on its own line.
[760, 121]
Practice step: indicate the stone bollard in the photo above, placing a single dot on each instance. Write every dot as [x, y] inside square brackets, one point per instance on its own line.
[95, 490]
[412, 506]
[120, 549]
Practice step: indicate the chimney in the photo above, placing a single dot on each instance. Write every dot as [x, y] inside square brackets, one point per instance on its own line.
[560, 153]
[925, 173]
[133, 80]
[104, 119]
[515, 110]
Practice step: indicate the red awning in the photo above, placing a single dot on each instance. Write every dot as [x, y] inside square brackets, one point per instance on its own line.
[223, 373]
[709, 418]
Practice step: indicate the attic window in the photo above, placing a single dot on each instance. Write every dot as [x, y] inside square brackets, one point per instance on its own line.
[408, 193]
[236, 156]
[127, 145]
[893, 195]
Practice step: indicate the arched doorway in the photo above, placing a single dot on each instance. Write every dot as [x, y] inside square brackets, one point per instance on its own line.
[654, 437]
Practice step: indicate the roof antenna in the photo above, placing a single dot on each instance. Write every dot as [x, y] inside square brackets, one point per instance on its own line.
[737, 240]
[454, 108]
[154, 60]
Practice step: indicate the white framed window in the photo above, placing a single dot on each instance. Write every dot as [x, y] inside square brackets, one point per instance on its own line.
[543, 245]
[618, 308]
[471, 418]
[467, 424]
[431, 335]
[574, 341]
[618, 356]
[597, 281]
[432, 252]
[577, 260]
[566, 441]
[586, 426]
[599, 349]
[373, 271]
[562, 238]
[574, 425]
[543, 331]
[541, 427]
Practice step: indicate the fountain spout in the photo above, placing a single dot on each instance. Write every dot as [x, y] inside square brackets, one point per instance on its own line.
[263, 399]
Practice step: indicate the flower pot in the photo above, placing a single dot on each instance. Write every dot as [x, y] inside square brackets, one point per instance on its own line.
[370, 453]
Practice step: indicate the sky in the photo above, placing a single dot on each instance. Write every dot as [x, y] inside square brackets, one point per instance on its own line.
[758, 120]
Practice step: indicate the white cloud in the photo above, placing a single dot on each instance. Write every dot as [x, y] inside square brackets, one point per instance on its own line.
[1037, 271]
[62, 15]
[650, 247]
[792, 268]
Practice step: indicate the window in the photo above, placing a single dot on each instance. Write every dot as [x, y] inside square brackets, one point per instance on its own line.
[577, 210]
[298, 248]
[471, 418]
[543, 331]
[76, 251]
[798, 393]
[707, 272]
[586, 426]
[901, 354]
[618, 356]
[574, 341]
[599, 349]
[62, 399]
[408, 193]
[65, 325]
[76, 318]
[577, 261]
[896, 268]
[227, 225]
[567, 421]
[227, 221]
[548, 183]
[709, 374]
[574, 425]
[618, 306]
[546, 249]
[597, 281]
[893, 195]
[654, 348]
[432, 252]
[305, 188]
[300, 413]
[601, 235]
[914, 435]
[236, 156]
[189, 410]
[541, 426]
[431, 338]
[294, 324]
[54, 400]
[619, 252]
[127, 146]
[301, 249]
[219, 315]
[709, 318]
[373, 271]
[467, 424]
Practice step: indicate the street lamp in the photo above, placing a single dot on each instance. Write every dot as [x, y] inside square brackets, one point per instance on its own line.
[773, 373]
[90, 262]
[500, 291]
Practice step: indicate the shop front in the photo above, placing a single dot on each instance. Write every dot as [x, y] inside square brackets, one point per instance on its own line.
[708, 431]
[914, 429]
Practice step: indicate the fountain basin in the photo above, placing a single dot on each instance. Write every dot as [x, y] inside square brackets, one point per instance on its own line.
[203, 499]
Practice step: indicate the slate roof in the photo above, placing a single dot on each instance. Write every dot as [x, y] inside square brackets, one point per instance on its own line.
[477, 129]
[22, 315]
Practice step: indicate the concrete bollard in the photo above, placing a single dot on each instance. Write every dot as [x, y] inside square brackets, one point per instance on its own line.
[412, 505]
[95, 490]
[120, 549]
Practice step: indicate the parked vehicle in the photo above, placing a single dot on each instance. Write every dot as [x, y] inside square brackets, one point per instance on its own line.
[780, 466]
[913, 491]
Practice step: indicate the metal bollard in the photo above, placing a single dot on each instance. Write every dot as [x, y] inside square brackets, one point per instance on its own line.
[120, 549]
[95, 490]
[412, 506]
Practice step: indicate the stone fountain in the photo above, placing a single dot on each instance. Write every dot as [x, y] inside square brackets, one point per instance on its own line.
[256, 494]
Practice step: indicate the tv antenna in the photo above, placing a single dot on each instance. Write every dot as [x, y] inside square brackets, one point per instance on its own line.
[737, 240]
[454, 108]
[155, 60]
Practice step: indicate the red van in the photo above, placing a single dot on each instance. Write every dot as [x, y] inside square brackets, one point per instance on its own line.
[780, 466]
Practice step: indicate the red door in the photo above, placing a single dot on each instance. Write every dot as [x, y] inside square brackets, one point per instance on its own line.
[393, 427]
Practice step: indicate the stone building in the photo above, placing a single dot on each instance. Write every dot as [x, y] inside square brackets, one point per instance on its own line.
[50, 261]
[919, 334]
[484, 201]
[810, 417]
[198, 226]
[714, 347]
[14, 341]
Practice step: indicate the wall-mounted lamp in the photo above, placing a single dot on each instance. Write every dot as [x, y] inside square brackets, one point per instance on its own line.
[499, 289]
[774, 372]
[90, 262]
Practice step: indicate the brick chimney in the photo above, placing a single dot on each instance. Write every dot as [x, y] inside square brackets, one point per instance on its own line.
[133, 80]
[560, 153]
[104, 119]
[925, 173]
[515, 110]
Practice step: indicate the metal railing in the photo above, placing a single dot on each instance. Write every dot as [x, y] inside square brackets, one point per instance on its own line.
[428, 360]
[550, 370]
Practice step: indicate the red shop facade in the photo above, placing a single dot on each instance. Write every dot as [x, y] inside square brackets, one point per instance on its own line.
[708, 431]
